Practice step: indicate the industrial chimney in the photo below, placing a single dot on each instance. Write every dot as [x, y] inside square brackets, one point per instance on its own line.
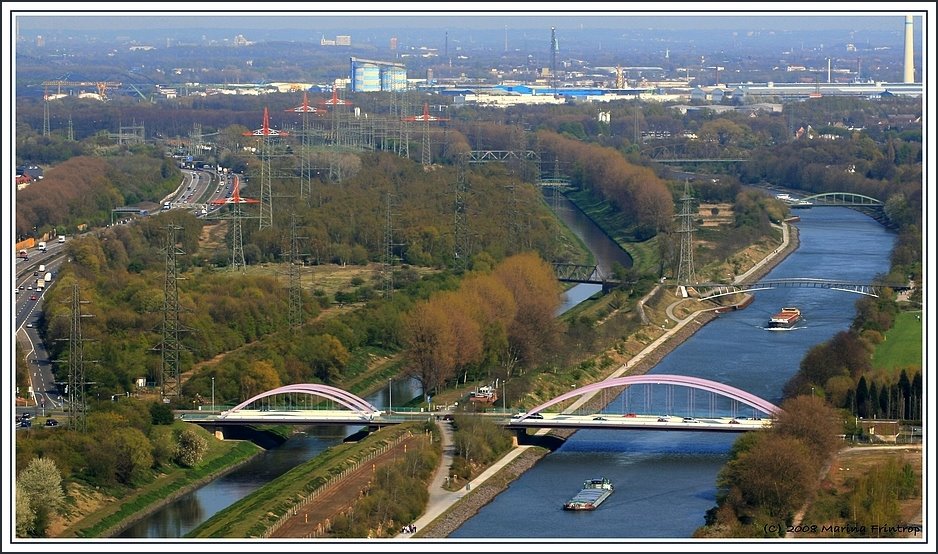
[909, 74]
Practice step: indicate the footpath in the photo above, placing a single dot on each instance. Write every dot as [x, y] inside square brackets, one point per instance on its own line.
[441, 500]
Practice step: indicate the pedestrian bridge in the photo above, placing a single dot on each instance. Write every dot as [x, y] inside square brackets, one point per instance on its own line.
[650, 402]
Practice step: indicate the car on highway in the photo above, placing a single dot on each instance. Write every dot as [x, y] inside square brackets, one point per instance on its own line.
[30, 324]
[664, 419]
[630, 414]
[734, 422]
[690, 420]
[33, 297]
[599, 418]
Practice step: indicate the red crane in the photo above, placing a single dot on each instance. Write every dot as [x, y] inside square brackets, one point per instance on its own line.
[235, 197]
[265, 131]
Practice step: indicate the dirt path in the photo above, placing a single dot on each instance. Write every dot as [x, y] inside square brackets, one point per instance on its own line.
[313, 519]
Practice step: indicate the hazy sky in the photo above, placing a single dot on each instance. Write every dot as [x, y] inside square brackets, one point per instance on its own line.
[297, 15]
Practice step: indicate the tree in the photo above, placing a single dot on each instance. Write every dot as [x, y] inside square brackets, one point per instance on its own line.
[774, 477]
[190, 447]
[134, 455]
[327, 356]
[25, 514]
[41, 484]
[811, 420]
[161, 414]
[259, 377]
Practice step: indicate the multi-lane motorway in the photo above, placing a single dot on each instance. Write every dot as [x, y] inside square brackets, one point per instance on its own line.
[28, 301]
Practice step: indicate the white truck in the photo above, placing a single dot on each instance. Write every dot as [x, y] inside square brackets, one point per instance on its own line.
[61, 238]
[48, 277]
[42, 267]
[42, 246]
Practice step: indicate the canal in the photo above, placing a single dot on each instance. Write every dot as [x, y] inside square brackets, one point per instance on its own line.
[665, 481]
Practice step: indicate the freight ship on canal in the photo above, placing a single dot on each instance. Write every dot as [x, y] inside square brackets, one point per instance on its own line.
[594, 492]
[785, 319]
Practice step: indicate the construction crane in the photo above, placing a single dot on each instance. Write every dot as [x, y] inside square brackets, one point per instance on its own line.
[101, 86]
[426, 118]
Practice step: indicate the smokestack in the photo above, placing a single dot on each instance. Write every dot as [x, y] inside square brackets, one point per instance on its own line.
[909, 75]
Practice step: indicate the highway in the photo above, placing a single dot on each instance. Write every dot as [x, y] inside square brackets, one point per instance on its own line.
[28, 311]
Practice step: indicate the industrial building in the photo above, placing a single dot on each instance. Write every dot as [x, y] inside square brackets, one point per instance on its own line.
[377, 76]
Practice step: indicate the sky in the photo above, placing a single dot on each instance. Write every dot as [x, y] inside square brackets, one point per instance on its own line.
[31, 16]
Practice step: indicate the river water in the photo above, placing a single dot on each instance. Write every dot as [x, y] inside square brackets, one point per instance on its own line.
[665, 480]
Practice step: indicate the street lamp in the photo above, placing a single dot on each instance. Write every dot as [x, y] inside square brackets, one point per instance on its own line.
[213, 394]
[389, 396]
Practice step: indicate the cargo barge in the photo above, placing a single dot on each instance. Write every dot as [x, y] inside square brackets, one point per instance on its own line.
[593, 493]
[785, 319]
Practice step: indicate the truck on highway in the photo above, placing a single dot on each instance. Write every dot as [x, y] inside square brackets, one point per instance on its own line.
[61, 238]
[42, 267]
[23, 254]
[48, 277]
[40, 284]
[41, 246]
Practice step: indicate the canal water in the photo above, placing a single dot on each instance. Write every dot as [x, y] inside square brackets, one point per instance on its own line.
[189, 511]
[605, 251]
[665, 480]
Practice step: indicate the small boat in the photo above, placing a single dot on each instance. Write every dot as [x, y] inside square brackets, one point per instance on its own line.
[785, 319]
[593, 493]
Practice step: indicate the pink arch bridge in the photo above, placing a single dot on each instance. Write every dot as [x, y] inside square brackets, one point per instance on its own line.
[352, 402]
[721, 389]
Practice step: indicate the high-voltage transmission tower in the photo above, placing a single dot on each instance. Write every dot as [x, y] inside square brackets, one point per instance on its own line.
[295, 286]
[172, 327]
[195, 142]
[336, 136]
[306, 166]
[71, 129]
[461, 217]
[266, 203]
[77, 407]
[387, 267]
[403, 130]
[426, 118]
[46, 131]
[555, 203]
[685, 270]
[236, 215]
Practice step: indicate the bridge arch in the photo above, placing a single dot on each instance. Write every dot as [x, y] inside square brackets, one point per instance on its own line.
[842, 199]
[728, 391]
[347, 399]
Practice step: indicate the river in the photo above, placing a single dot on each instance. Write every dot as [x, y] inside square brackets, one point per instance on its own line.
[665, 481]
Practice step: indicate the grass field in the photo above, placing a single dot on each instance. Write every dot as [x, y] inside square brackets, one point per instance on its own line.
[902, 346]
